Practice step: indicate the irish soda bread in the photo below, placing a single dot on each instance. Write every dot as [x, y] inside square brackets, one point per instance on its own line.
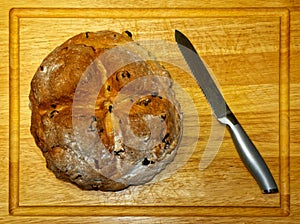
[104, 113]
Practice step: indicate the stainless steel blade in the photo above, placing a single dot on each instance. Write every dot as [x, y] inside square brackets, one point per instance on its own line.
[202, 75]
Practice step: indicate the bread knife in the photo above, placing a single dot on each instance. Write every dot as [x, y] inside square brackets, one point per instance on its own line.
[245, 147]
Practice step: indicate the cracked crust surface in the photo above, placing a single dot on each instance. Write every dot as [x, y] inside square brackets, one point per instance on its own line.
[104, 113]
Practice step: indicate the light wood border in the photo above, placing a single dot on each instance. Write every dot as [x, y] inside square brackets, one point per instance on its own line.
[14, 119]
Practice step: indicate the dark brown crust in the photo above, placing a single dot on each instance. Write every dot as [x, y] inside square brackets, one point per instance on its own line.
[101, 154]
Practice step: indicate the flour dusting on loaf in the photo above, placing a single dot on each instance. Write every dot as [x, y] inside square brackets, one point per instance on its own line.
[104, 113]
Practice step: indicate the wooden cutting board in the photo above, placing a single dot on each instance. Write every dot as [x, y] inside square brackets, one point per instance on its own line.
[248, 51]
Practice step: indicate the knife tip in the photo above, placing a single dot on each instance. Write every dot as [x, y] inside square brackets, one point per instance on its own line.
[177, 34]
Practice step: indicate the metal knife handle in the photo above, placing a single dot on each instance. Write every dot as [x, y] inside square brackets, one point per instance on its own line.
[250, 155]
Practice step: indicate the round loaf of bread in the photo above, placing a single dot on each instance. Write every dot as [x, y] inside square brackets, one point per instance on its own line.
[104, 113]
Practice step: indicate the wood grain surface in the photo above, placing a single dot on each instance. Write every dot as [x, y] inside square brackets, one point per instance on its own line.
[254, 55]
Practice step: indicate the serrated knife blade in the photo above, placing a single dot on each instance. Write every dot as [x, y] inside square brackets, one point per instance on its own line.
[245, 147]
